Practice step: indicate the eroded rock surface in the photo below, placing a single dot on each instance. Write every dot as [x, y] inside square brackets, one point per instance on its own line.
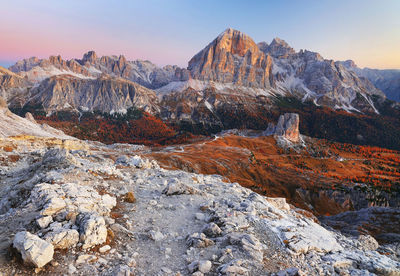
[232, 57]
[33, 249]
[287, 127]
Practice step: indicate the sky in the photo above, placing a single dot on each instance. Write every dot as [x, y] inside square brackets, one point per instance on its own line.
[173, 31]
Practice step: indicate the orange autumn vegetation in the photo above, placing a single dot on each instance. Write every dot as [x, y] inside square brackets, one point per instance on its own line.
[147, 129]
[260, 164]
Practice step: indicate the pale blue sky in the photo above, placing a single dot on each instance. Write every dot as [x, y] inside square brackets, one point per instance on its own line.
[171, 32]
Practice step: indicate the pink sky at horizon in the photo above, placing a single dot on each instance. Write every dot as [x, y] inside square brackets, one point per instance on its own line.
[172, 32]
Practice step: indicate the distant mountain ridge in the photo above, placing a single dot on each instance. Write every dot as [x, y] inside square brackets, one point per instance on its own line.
[106, 94]
[91, 66]
[387, 80]
[232, 59]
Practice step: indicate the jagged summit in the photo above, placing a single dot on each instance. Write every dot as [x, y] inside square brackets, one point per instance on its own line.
[277, 48]
[279, 41]
[90, 57]
[235, 42]
[233, 57]
[349, 63]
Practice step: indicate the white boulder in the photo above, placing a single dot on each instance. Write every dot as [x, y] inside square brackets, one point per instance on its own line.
[33, 249]
[43, 222]
[93, 230]
[63, 238]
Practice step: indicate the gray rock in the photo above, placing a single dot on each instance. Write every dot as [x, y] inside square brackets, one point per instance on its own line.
[63, 238]
[367, 242]
[85, 258]
[92, 230]
[155, 235]
[201, 266]
[71, 269]
[33, 249]
[287, 127]
[200, 216]
[43, 222]
[104, 249]
[212, 230]
[53, 206]
[176, 187]
[193, 266]
[135, 161]
[198, 240]
[204, 266]
[249, 243]
[233, 268]
[122, 270]
[290, 272]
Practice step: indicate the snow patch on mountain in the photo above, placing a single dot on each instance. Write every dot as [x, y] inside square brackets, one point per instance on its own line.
[222, 88]
[38, 74]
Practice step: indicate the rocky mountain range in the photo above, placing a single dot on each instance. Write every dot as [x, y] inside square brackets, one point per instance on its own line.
[387, 80]
[232, 60]
[106, 93]
[232, 83]
[91, 66]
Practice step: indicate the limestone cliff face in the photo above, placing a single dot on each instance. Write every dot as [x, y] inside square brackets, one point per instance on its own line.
[105, 94]
[309, 76]
[12, 86]
[91, 66]
[232, 57]
[387, 80]
[141, 71]
[287, 127]
[11, 81]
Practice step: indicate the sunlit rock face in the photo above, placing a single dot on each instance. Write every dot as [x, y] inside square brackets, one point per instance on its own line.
[287, 127]
[232, 57]
[13, 125]
[105, 94]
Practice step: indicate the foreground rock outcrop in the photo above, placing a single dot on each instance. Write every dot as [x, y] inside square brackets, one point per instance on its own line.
[13, 125]
[180, 222]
